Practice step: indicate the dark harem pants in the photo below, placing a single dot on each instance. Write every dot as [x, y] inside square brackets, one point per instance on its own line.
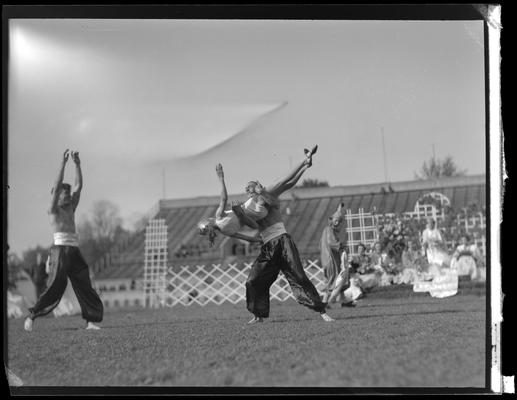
[279, 254]
[68, 262]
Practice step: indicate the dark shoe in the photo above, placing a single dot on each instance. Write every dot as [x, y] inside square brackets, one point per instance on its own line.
[309, 154]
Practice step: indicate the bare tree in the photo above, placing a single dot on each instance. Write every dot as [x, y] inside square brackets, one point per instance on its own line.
[438, 168]
[100, 230]
[138, 222]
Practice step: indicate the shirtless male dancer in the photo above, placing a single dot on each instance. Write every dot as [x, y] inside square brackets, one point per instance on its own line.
[279, 253]
[66, 261]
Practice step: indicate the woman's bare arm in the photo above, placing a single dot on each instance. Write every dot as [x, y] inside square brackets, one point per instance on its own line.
[224, 194]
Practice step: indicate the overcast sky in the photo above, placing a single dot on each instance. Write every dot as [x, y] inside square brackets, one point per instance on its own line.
[143, 98]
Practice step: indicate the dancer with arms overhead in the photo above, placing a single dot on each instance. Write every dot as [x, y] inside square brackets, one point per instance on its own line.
[66, 261]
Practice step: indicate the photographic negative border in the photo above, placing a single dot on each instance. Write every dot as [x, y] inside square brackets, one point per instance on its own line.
[495, 161]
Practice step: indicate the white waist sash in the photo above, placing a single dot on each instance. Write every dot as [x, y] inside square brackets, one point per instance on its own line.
[272, 232]
[66, 239]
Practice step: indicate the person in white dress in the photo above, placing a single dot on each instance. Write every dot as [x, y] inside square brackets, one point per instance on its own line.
[432, 244]
[466, 258]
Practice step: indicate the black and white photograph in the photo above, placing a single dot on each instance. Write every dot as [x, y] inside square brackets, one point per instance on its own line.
[254, 201]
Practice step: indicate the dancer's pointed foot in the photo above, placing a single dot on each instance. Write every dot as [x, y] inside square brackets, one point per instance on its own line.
[255, 320]
[91, 325]
[27, 325]
[327, 318]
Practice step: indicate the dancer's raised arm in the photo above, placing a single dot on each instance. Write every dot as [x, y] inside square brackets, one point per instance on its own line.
[57, 184]
[78, 185]
[224, 194]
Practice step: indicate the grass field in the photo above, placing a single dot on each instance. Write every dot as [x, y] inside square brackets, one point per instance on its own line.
[414, 341]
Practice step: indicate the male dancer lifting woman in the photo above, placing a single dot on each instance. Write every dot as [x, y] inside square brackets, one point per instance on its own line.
[279, 253]
[66, 261]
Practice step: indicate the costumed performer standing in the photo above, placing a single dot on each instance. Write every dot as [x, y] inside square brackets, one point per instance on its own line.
[334, 260]
[66, 260]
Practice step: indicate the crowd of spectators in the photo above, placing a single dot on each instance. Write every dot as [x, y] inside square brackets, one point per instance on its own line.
[403, 254]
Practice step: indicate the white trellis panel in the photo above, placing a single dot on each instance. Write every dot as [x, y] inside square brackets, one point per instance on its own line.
[476, 221]
[155, 263]
[360, 228]
[424, 211]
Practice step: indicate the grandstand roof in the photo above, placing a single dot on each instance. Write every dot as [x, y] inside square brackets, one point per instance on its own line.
[332, 191]
[308, 212]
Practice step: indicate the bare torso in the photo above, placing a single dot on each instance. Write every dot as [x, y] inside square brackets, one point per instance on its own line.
[63, 220]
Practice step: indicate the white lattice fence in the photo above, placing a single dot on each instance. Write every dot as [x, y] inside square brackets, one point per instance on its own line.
[217, 283]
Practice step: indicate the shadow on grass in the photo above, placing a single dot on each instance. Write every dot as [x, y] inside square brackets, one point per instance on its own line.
[170, 323]
[66, 328]
[362, 303]
[349, 317]
[408, 313]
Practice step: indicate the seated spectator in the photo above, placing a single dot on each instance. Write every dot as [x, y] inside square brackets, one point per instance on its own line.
[413, 263]
[376, 256]
[412, 257]
[386, 267]
[466, 258]
[362, 262]
[390, 270]
[369, 274]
